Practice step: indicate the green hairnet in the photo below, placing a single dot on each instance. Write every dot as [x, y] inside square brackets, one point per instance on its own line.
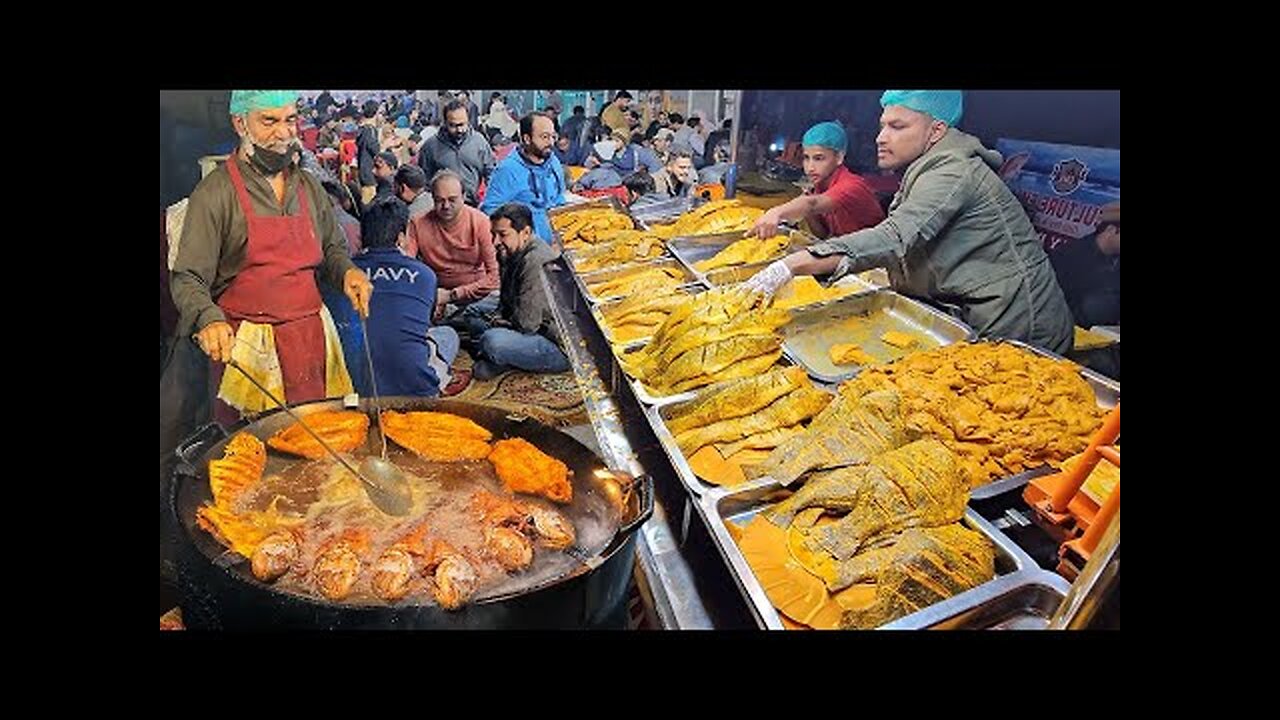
[944, 105]
[242, 101]
[826, 134]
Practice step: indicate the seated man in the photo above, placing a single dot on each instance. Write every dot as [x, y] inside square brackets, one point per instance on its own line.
[409, 356]
[523, 333]
[569, 152]
[677, 177]
[1088, 270]
[411, 187]
[456, 241]
[640, 191]
[601, 172]
[715, 172]
[631, 155]
[661, 143]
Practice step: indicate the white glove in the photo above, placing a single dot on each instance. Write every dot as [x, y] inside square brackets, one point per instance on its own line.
[768, 280]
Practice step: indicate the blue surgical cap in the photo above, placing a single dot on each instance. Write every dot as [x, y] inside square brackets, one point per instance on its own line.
[827, 134]
[944, 105]
[242, 101]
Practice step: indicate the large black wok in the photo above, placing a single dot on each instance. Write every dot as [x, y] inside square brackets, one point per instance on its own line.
[218, 590]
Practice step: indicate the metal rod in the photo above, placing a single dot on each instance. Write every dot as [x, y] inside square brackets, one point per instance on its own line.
[373, 383]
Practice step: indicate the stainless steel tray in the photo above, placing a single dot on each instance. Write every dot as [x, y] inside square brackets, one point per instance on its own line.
[585, 280]
[1021, 601]
[598, 311]
[663, 212]
[606, 201]
[1105, 390]
[740, 504]
[650, 397]
[808, 338]
[658, 421]
[573, 258]
[696, 248]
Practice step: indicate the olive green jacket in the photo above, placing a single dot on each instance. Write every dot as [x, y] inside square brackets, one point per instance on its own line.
[956, 234]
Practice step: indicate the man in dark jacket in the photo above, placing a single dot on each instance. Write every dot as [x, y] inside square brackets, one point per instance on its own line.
[524, 335]
[460, 148]
[1089, 271]
[715, 139]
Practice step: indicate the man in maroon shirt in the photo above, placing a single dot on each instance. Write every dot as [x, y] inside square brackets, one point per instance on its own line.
[456, 241]
[839, 203]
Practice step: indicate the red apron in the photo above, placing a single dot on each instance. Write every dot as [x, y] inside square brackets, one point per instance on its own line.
[277, 286]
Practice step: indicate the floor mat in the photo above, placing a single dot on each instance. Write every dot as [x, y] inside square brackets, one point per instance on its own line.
[551, 398]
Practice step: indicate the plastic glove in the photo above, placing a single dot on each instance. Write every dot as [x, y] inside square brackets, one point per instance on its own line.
[768, 280]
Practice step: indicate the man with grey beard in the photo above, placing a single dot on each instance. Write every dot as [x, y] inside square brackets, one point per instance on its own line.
[257, 236]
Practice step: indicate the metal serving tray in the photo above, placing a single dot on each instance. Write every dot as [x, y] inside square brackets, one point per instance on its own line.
[739, 504]
[808, 338]
[696, 248]
[586, 280]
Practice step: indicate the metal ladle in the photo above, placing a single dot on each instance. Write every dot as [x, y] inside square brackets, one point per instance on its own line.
[382, 471]
[389, 493]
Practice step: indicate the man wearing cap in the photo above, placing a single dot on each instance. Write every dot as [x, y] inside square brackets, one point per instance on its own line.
[838, 203]
[955, 233]
[662, 143]
[1089, 271]
[258, 234]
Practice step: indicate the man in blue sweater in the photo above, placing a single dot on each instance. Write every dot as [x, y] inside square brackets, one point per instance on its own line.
[531, 176]
[410, 356]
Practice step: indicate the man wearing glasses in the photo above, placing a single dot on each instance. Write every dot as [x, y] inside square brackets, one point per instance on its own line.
[530, 176]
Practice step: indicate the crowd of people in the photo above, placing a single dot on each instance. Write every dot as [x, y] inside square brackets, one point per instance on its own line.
[431, 227]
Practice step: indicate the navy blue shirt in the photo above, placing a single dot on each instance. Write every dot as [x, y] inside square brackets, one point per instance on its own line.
[404, 296]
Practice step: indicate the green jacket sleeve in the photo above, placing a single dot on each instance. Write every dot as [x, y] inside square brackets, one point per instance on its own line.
[529, 310]
[196, 265]
[930, 203]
